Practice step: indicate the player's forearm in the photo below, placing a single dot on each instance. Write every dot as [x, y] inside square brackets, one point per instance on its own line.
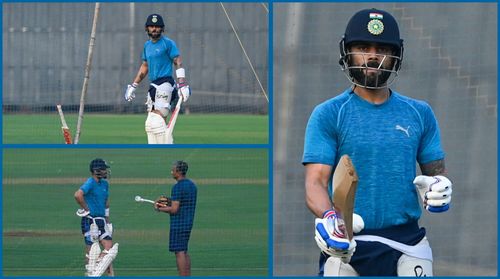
[141, 74]
[178, 62]
[434, 168]
[164, 209]
[317, 198]
[80, 200]
[316, 186]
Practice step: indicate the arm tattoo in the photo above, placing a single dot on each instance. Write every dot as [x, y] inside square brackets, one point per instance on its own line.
[433, 168]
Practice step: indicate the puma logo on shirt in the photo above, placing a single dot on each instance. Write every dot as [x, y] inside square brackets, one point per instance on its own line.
[406, 131]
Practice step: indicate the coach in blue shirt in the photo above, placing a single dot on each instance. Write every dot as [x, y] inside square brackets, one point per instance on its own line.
[181, 213]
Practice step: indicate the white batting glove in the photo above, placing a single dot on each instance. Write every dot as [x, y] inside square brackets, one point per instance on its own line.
[129, 93]
[184, 91]
[435, 192]
[82, 212]
[331, 238]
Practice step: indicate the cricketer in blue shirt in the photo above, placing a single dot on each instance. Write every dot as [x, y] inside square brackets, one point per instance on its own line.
[160, 54]
[385, 134]
[93, 199]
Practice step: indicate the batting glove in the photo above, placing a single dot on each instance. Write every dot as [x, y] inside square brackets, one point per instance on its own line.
[435, 192]
[129, 93]
[184, 91]
[331, 237]
[82, 212]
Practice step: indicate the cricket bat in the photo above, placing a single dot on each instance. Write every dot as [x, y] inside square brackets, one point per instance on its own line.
[173, 117]
[64, 127]
[345, 181]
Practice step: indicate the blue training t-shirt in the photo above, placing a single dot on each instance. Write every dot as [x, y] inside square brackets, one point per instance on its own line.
[160, 56]
[96, 195]
[185, 192]
[384, 142]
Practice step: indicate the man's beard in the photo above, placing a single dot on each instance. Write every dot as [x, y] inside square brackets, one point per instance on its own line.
[375, 79]
[154, 36]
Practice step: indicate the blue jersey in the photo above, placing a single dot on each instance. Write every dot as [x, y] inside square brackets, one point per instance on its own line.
[96, 195]
[384, 142]
[160, 56]
[185, 192]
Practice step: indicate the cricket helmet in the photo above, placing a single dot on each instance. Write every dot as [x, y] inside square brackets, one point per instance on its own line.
[154, 20]
[99, 167]
[371, 26]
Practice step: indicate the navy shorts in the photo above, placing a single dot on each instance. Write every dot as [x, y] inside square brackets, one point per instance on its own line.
[179, 240]
[86, 229]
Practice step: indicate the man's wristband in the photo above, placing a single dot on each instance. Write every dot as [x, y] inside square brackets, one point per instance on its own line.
[106, 212]
[329, 213]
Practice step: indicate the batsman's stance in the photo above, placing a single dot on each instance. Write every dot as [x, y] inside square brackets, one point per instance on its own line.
[157, 57]
[93, 198]
[181, 207]
[384, 133]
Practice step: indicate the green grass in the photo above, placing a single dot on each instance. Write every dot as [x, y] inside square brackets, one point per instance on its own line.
[129, 129]
[41, 233]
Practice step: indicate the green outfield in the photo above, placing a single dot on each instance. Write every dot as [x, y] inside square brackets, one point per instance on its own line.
[129, 129]
[41, 233]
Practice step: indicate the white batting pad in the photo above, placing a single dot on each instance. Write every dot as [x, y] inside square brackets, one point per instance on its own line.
[106, 261]
[156, 129]
[95, 251]
[335, 267]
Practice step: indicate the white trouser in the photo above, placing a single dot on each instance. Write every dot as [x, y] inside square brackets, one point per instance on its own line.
[415, 261]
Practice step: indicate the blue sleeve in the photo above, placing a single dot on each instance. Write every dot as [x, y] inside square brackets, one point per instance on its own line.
[144, 54]
[430, 144]
[174, 51]
[320, 143]
[86, 187]
[176, 192]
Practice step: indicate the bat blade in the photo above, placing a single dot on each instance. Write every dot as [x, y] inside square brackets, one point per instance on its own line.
[345, 181]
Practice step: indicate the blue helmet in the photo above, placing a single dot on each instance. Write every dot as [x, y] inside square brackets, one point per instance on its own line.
[154, 20]
[371, 26]
[99, 167]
